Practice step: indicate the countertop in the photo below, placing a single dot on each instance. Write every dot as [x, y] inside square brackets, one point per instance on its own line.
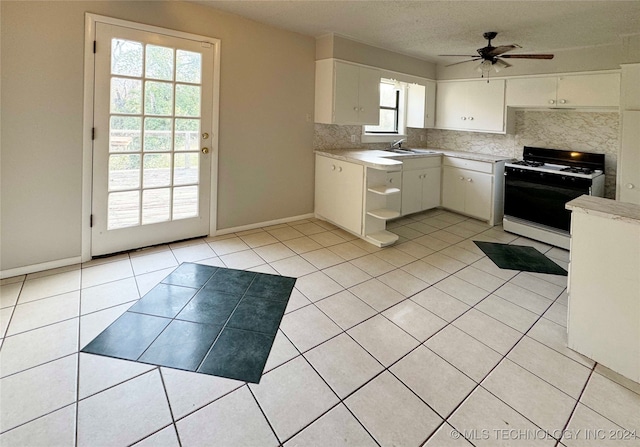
[388, 160]
[605, 208]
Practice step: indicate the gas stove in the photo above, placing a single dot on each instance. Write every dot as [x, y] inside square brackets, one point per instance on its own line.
[555, 161]
[538, 187]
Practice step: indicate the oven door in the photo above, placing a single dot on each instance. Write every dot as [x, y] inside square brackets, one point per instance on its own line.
[541, 197]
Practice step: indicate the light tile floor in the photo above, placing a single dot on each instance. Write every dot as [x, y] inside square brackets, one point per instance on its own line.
[409, 345]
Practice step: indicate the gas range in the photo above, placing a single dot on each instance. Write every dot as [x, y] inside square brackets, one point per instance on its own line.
[576, 171]
[538, 187]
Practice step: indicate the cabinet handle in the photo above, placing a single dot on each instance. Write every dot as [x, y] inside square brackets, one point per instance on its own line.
[355, 109]
[339, 168]
[390, 180]
[469, 180]
[362, 109]
[460, 178]
[563, 101]
[470, 118]
[333, 167]
[464, 118]
[552, 101]
[630, 185]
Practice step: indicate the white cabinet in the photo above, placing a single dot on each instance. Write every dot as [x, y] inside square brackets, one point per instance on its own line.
[471, 105]
[339, 192]
[421, 105]
[567, 91]
[346, 93]
[420, 184]
[628, 181]
[474, 188]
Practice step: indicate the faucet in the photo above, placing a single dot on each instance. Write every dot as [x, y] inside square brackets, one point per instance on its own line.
[397, 143]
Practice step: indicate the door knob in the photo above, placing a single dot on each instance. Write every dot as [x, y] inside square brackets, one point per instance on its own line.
[205, 150]
[205, 136]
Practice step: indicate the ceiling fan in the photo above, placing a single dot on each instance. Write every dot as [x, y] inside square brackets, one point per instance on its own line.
[492, 57]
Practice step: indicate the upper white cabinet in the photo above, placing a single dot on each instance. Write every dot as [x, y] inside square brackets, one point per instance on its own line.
[628, 182]
[567, 91]
[421, 105]
[346, 93]
[471, 105]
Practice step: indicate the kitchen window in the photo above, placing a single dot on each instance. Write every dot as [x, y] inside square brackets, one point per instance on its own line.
[392, 114]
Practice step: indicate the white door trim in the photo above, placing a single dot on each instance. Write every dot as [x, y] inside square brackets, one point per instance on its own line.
[87, 120]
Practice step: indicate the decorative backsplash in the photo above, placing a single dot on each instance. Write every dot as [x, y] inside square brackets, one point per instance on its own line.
[557, 129]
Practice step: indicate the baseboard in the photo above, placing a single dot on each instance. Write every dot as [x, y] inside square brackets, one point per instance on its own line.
[263, 224]
[39, 267]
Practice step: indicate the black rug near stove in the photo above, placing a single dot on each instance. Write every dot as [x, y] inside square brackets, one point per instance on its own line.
[204, 319]
[519, 257]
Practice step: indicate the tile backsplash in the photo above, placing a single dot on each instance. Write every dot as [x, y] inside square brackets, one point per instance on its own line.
[558, 129]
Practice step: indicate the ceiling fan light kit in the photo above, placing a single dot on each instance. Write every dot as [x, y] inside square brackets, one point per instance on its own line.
[492, 57]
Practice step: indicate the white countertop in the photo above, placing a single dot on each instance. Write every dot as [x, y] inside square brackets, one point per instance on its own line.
[388, 160]
[606, 208]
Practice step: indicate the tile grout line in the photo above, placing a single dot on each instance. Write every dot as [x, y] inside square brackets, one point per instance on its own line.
[166, 395]
[264, 415]
[573, 410]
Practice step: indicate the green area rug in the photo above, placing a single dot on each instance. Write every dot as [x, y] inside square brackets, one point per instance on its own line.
[519, 257]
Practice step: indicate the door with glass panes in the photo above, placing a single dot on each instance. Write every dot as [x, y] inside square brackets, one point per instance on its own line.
[152, 139]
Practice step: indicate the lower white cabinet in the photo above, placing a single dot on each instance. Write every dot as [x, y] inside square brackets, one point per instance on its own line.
[338, 194]
[420, 184]
[473, 188]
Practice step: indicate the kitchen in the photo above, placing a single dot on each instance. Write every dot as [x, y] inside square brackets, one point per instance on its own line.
[265, 197]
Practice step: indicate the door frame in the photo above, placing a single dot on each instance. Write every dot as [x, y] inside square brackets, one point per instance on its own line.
[87, 120]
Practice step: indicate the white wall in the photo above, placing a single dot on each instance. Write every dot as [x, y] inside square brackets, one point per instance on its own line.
[267, 90]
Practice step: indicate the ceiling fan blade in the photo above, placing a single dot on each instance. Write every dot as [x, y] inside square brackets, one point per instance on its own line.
[459, 55]
[528, 56]
[502, 49]
[469, 60]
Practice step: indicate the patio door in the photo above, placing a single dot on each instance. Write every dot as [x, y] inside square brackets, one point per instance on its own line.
[153, 136]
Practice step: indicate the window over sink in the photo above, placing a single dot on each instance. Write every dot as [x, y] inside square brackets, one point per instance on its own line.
[392, 126]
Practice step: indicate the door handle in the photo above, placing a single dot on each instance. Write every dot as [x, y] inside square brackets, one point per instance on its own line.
[205, 150]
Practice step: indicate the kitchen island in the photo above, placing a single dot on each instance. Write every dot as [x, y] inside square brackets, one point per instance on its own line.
[604, 283]
[359, 190]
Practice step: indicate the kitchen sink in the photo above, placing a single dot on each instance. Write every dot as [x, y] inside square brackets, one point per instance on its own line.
[411, 151]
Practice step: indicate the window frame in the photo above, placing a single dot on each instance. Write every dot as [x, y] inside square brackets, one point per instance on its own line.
[400, 109]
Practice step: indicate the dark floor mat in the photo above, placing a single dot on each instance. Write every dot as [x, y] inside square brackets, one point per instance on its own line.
[519, 257]
[204, 319]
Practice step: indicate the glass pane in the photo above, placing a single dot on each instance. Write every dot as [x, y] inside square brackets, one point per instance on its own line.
[157, 134]
[126, 57]
[387, 95]
[157, 170]
[158, 98]
[124, 171]
[123, 209]
[387, 122]
[188, 66]
[126, 95]
[155, 205]
[187, 135]
[187, 100]
[124, 133]
[186, 168]
[159, 63]
[185, 202]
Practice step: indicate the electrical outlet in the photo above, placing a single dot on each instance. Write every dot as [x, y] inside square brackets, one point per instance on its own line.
[353, 138]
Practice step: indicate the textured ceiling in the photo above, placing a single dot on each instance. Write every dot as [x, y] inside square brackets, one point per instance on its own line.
[425, 29]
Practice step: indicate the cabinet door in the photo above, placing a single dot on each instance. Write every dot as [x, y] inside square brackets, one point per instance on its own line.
[453, 188]
[596, 90]
[349, 186]
[346, 90]
[451, 105]
[478, 194]
[485, 105]
[629, 164]
[368, 96]
[411, 192]
[531, 92]
[430, 188]
[324, 187]
[416, 102]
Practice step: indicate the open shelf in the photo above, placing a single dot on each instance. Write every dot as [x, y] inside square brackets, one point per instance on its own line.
[384, 214]
[384, 190]
[382, 238]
